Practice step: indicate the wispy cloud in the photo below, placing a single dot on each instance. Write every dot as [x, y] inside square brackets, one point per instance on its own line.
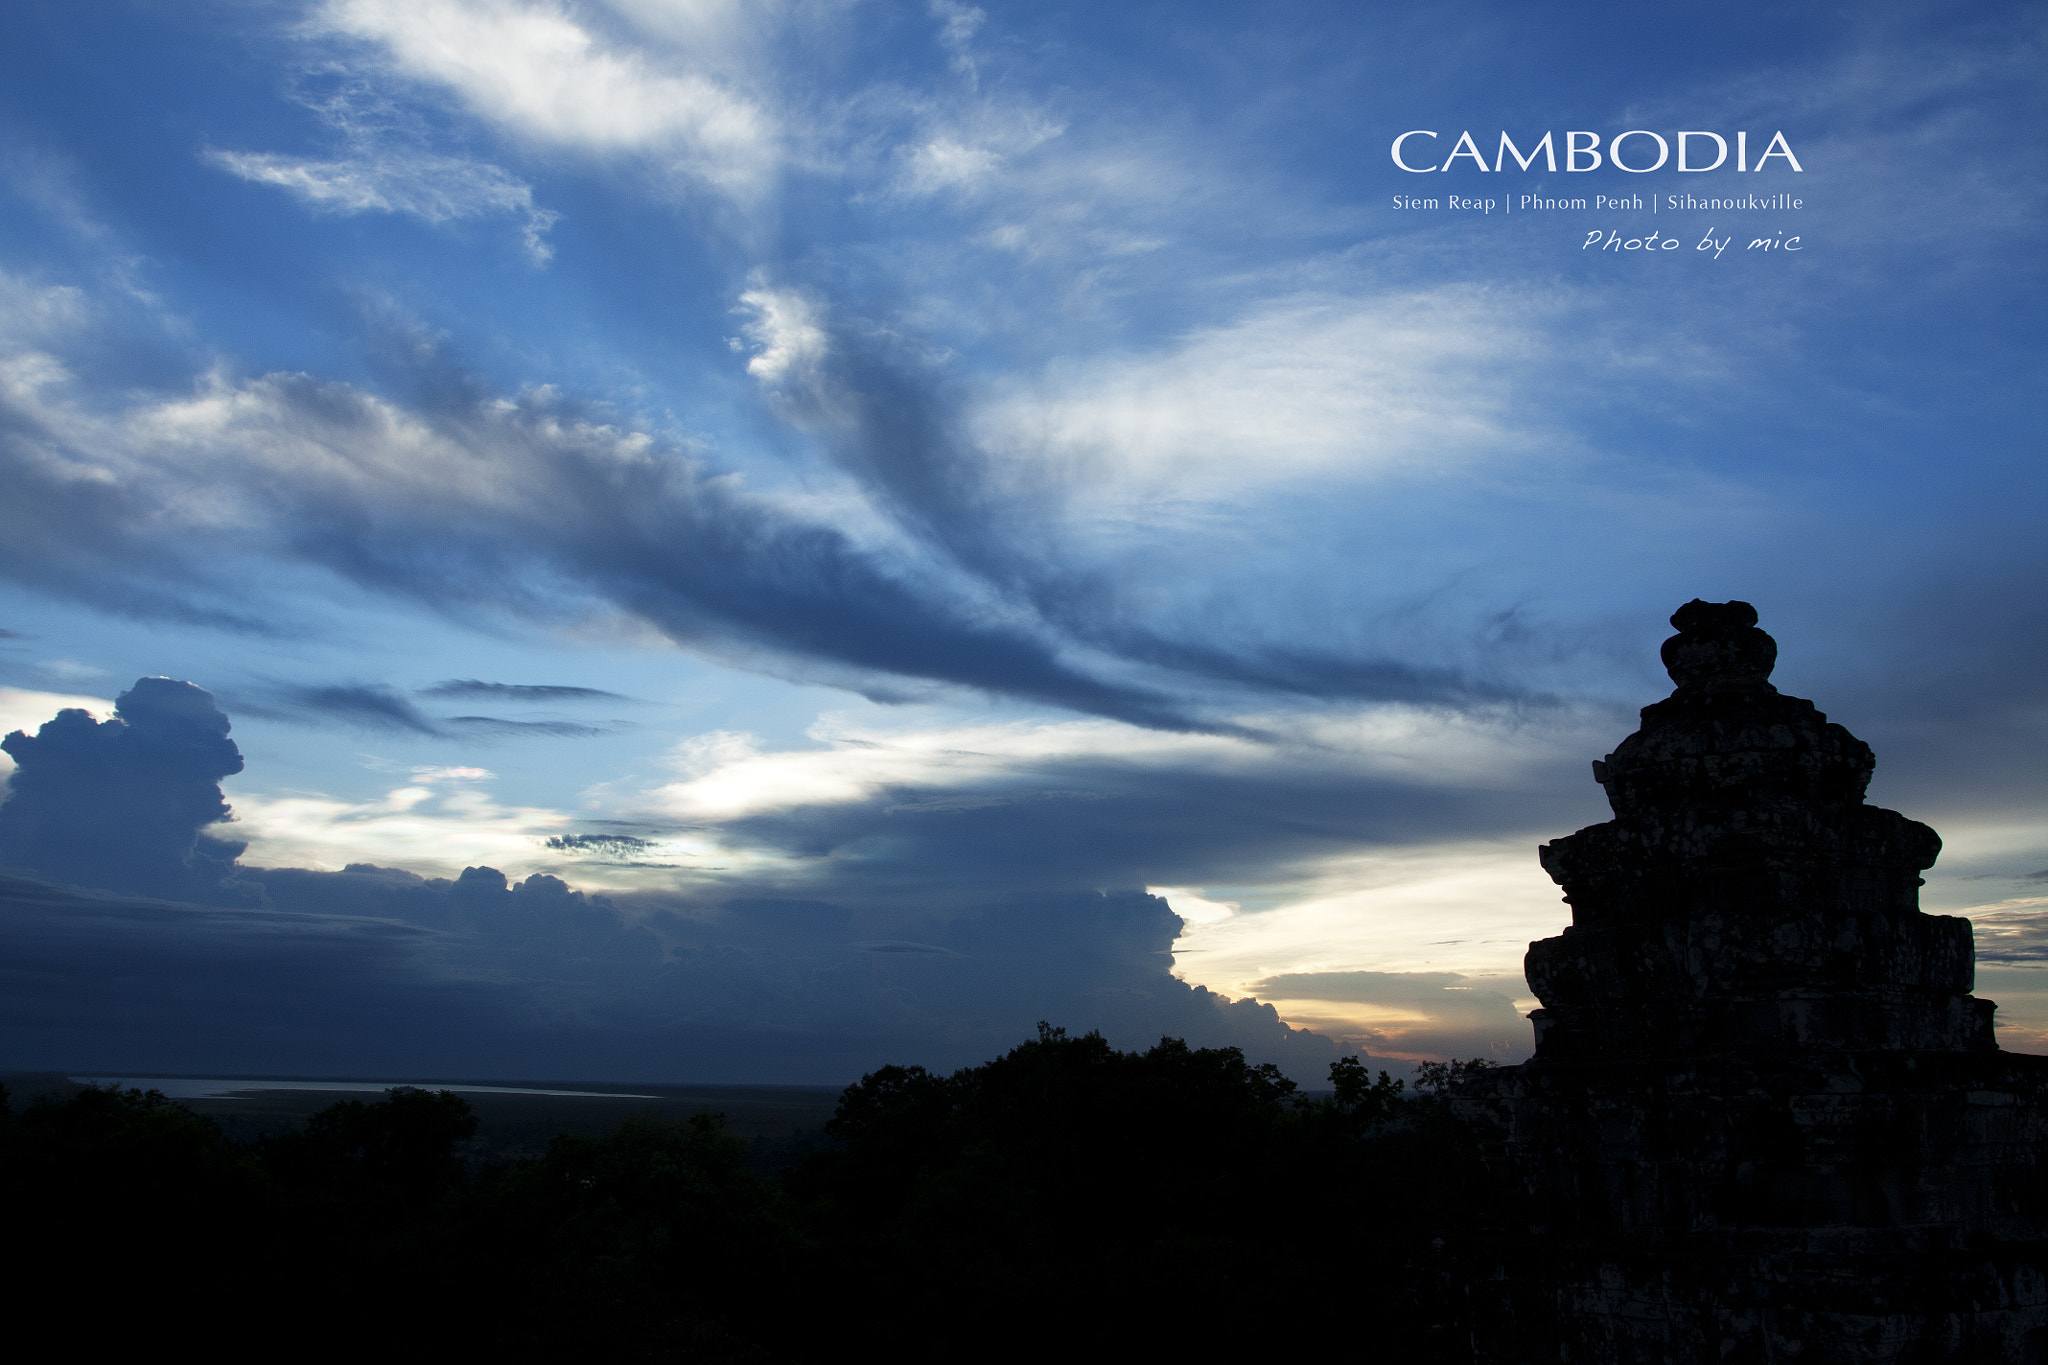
[529, 505]
[535, 71]
[536, 692]
[432, 825]
[376, 707]
[430, 187]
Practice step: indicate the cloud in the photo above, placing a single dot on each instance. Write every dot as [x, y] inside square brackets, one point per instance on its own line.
[494, 691]
[376, 707]
[498, 727]
[377, 971]
[1377, 385]
[69, 669]
[530, 505]
[958, 24]
[436, 822]
[1007, 517]
[25, 709]
[478, 974]
[124, 803]
[2012, 933]
[784, 325]
[534, 71]
[435, 189]
[359, 706]
[730, 779]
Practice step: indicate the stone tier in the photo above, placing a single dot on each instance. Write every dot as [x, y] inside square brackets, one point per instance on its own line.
[1948, 1143]
[1832, 979]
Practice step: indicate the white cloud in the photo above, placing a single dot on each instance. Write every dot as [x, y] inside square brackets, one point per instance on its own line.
[730, 779]
[784, 327]
[535, 71]
[1408, 384]
[33, 313]
[436, 189]
[434, 827]
[958, 24]
[944, 163]
[71, 670]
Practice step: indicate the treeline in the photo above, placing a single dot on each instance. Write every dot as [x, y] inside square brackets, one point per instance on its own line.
[1066, 1199]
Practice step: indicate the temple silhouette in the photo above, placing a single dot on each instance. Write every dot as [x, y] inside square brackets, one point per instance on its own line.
[1766, 1120]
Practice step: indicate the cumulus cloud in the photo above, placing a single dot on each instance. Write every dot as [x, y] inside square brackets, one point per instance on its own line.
[124, 803]
[23, 708]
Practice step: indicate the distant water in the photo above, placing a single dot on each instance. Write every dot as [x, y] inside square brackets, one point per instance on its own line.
[207, 1088]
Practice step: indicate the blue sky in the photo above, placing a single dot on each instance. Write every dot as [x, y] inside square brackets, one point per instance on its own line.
[955, 467]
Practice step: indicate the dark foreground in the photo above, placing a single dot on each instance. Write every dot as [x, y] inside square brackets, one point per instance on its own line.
[1066, 1199]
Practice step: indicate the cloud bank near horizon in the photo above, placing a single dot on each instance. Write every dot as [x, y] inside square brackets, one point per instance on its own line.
[216, 963]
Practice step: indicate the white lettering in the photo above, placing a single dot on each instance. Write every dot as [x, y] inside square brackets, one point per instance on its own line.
[1464, 148]
[1720, 150]
[1508, 148]
[1419, 132]
[1614, 151]
[1779, 147]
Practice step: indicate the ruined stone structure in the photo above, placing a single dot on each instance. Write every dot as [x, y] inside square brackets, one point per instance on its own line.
[1766, 1119]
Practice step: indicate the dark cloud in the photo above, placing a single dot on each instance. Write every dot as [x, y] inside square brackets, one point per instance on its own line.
[361, 706]
[617, 850]
[470, 687]
[598, 843]
[373, 706]
[373, 969]
[124, 803]
[2011, 938]
[498, 727]
[1160, 823]
[14, 635]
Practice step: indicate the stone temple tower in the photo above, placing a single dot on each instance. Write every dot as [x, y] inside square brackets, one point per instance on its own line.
[1766, 1119]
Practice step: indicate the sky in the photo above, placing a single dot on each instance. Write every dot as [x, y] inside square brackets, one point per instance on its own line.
[743, 542]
